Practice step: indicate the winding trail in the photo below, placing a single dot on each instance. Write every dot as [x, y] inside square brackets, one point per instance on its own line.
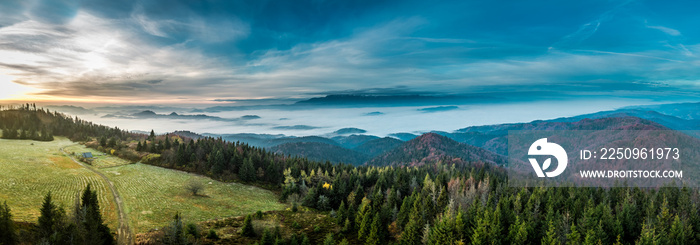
[124, 235]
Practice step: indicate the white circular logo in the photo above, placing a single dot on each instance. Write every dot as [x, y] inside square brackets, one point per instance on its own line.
[543, 148]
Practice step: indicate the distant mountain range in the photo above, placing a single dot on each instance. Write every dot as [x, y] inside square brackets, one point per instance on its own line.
[486, 143]
[148, 114]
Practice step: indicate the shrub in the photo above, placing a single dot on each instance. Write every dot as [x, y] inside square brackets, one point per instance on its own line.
[212, 235]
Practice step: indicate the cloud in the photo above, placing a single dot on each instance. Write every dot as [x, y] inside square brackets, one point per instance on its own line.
[93, 57]
[296, 127]
[669, 31]
[438, 108]
[249, 54]
[152, 27]
[374, 113]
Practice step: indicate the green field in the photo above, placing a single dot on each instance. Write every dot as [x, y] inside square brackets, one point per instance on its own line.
[100, 159]
[30, 169]
[152, 195]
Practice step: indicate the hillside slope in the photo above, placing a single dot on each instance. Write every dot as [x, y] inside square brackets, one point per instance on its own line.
[431, 148]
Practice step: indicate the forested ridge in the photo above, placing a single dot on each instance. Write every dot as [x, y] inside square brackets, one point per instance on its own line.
[439, 202]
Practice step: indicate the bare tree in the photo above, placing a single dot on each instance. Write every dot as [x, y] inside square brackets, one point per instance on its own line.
[195, 187]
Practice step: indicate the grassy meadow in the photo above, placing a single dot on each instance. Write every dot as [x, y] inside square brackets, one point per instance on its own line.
[30, 169]
[152, 195]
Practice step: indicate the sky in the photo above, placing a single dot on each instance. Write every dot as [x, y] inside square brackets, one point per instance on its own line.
[209, 53]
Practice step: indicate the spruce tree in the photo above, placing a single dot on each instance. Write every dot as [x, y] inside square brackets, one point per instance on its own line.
[97, 232]
[648, 236]
[551, 237]
[365, 224]
[8, 235]
[247, 229]
[375, 236]
[217, 163]
[341, 214]
[329, 239]
[247, 171]
[574, 236]
[48, 218]
[443, 232]
[402, 218]
[412, 234]
[517, 233]
[167, 144]
[305, 240]
[267, 238]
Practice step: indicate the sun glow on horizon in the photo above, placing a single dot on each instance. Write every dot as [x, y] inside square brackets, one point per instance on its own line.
[11, 90]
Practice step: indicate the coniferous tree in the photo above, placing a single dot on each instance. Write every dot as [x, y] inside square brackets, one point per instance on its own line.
[97, 232]
[341, 214]
[517, 233]
[481, 232]
[305, 240]
[153, 148]
[648, 235]
[267, 238]
[679, 232]
[217, 162]
[167, 143]
[247, 171]
[8, 235]
[329, 239]
[48, 218]
[175, 232]
[375, 236]
[551, 237]
[412, 234]
[402, 217]
[112, 142]
[443, 232]
[574, 237]
[247, 229]
[51, 222]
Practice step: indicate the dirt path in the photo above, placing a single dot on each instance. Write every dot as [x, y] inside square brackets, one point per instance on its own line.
[124, 235]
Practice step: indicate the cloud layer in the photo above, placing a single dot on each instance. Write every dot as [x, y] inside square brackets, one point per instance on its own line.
[193, 52]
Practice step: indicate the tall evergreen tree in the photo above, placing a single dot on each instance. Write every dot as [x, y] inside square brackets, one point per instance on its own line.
[375, 236]
[97, 231]
[8, 235]
[175, 232]
[247, 171]
[329, 239]
[551, 238]
[413, 233]
[365, 224]
[247, 229]
[48, 217]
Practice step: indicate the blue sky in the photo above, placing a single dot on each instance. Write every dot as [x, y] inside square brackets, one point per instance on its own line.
[156, 52]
